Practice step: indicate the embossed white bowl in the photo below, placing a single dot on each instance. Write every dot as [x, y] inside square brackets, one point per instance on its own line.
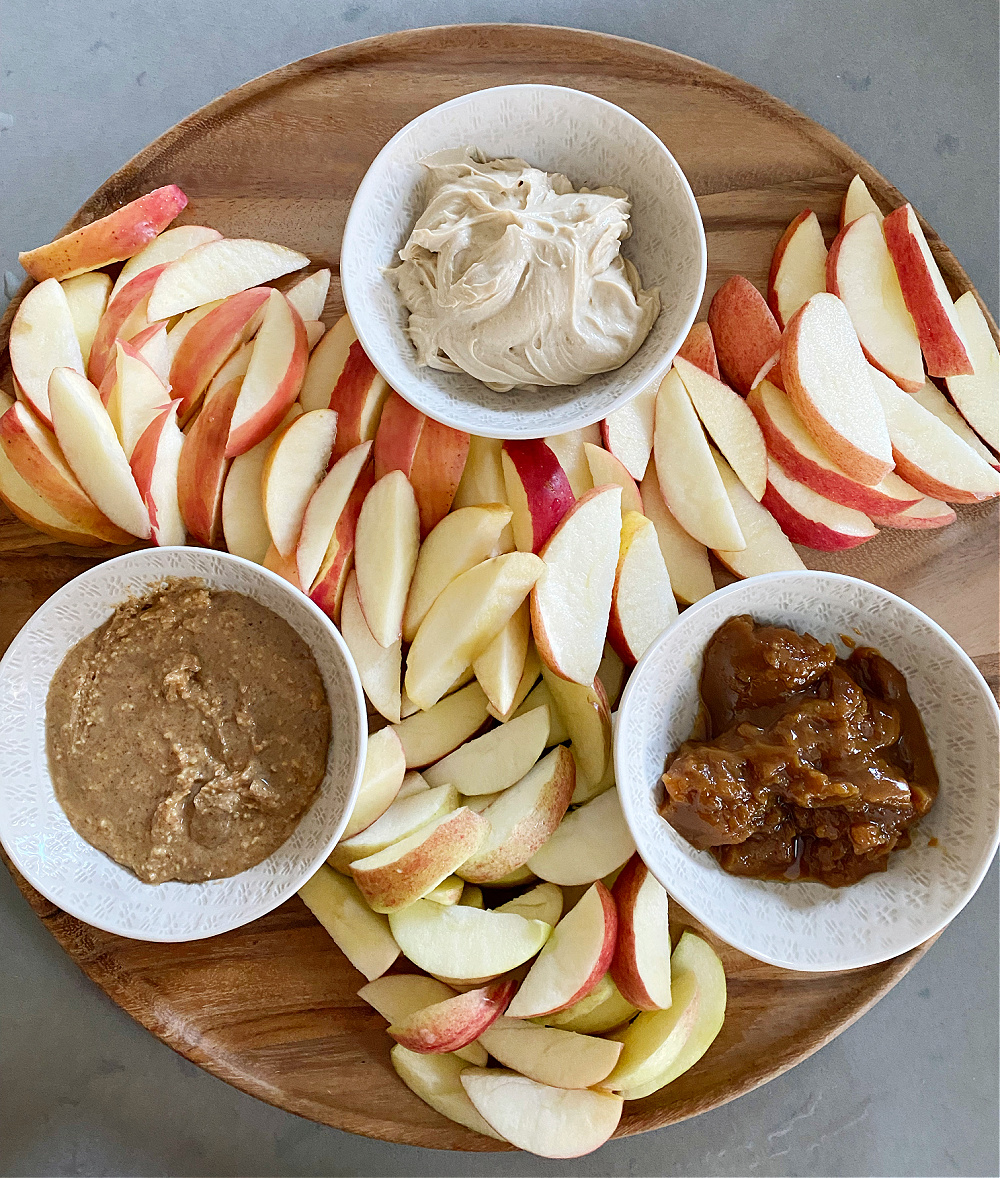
[593, 142]
[809, 926]
[36, 832]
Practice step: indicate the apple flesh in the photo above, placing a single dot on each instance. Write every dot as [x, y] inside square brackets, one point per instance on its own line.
[699, 348]
[385, 554]
[325, 507]
[743, 329]
[561, 1058]
[201, 475]
[385, 767]
[398, 996]
[404, 817]
[136, 397]
[529, 677]
[543, 902]
[497, 760]
[361, 935]
[501, 665]
[308, 295]
[436, 1080]
[686, 558]
[857, 202]
[155, 461]
[293, 471]
[934, 401]
[925, 513]
[640, 967]
[569, 451]
[429, 735]
[166, 247]
[590, 842]
[601, 1010]
[583, 710]
[43, 337]
[768, 549]
[126, 315]
[607, 471]
[653, 1041]
[87, 296]
[798, 267]
[379, 667]
[627, 433]
[976, 396]
[806, 517]
[357, 390]
[455, 1022]
[538, 491]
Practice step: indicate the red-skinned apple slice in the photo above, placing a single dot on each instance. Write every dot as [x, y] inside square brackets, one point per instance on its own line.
[127, 314]
[500, 667]
[929, 455]
[136, 396]
[686, 558]
[87, 296]
[606, 471]
[379, 667]
[744, 331]
[934, 401]
[340, 376]
[591, 841]
[976, 396]
[151, 344]
[926, 513]
[942, 338]
[178, 333]
[569, 450]
[537, 490]
[429, 735]
[859, 271]
[167, 247]
[571, 602]
[699, 348]
[308, 296]
[627, 433]
[284, 566]
[292, 472]
[385, 554]
[831, 386]
[454, 1022]
[685, 470]
[398, 996]
[642, 604]
[399, 821]
[118, 235]
[857, 202]
[328, 588]
[573, 960]
[768, 549]
[326, 366]
[244, 524]
[43, 337]
[640, 966]
[563, 1059]
[90, 445]
[361, 935]
[798, 267]
[201, 475]
[155, 461]
[319, 521]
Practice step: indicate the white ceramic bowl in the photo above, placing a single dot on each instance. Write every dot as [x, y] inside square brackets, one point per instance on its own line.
[36, 832]
[593, 142]
[809, 926]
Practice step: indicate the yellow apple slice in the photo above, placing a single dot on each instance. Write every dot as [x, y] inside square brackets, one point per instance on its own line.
[586, 716]
[685, 557]
[308, 295]
[500, 667]
[544, 902]
[87, 296]
[448, 891]
[404, 817]
[361, 935]
[590, 843]
[385, 554]
[436, 1080]
[385, 767]
[656, 1037]
[43, 337]
[497, 760]
[601, 1010]
[379, 667]
[642, 604]
[606, 470]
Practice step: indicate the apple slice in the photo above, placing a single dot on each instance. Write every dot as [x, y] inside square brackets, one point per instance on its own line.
[379, 667]
[521, 818]
[136, 397]
[569, 451]
[857, 202]
[563, 1059]
[691, 487]
[544, 1120]
[413, 783]
[361, 935]
[611, 673]
[292, 472]
[926, 513]
[929, 456]
[497, 760]
[537, 490]
[693, 958]
[768, 549]
[201, 475]
[455, 1022]
[641, 964]
[591, 842]
[976, 396]
[404, 817]
[93, 452]
[830, 385]
[308, 297]
[573, 960]
[461, 540]
[358, 393]
[327, 364]
[541, 697]
[793, 447]
[87, 296]
[584, 711]
[43, 337]
[528, 679]
[463, 942]
[544, 902]
[448, 891]
[628, 432]
[808, 518]
[110, 239]
[798, 267]
[386, 544]
[686, 558]
[743, 329]
[771, 371]
[126, 315]
[325, 506]
[178, 332]
[934, 401]
[327, 589]
[642, 604]
[283, 566]
[244, 524]
[315, 330]
[601, 1010]
[859, 271]
[167, 247]
[385, 767]
[499, 669]
[436, 1080]
[942, 338]
[607, 471]
[155, 461]
[571, 602]
[151, 344]
[398, 996]
[699, 348]
[483, 482]
[653, 1041]
[429, 735]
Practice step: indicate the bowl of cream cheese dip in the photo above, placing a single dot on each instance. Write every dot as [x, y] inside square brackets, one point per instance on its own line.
[521, 261]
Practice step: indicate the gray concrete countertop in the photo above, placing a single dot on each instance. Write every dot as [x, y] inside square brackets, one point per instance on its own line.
[909, 1090]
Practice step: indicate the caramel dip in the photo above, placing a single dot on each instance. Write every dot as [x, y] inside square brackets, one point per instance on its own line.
[188, 734]
[802, 765]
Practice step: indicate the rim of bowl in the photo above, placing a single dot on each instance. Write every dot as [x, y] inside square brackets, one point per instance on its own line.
[975, 879]
[585, 419]
[64, 592]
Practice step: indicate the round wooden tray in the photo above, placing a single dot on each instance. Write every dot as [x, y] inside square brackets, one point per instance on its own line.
[272, 1008]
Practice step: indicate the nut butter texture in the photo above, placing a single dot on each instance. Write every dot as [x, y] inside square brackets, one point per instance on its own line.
[188, 734]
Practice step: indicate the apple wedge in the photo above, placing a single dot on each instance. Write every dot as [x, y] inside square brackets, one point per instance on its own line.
[404, 817]
[358, 393]
[699, 348]
[831, 386]
[379, 667]
[90, 445]
[584, 711]
[463, 942]
[385, 767]
[328, 588]
[497, 760]
[627, 433]
[860, 272]
[571, 601]
[642, 603]
[43, 337]
[292, 472]
[436, 1080]
[686, 558]
[386, 543]
[429, 735]
[640, 966]
[244, 525]
[126, 315]
[155, 461]
[454, 1023]
[941, 335]
[413, 783]
[283, 566]
[463, 539]
[590, 842]
[324, 509]
[361, 935]
[798, 267]
[976, 396]
[522, 818]
[201, 475]
[398, 996]
[544, 1120]
[808, 518]
[500, 668]
[601, 1010]
[537, 490]
[540, 697]
[771, 370]
[136, 396]
[654, 1040]
[768, 549]
[326, 365]
[529, 677]
[934, 401]
[87, 297]
[857, 202]
[607, 471]
[569, 451]
[611, 673]
[119, 235]
[743, 329]
[563, 1059]
[929, 455]
[544, 902]
[925, 513]
[308, 296]
[151, 344]
[685, 470]
[166, 247]
[448, 891]
[464, 619]
[792, 446]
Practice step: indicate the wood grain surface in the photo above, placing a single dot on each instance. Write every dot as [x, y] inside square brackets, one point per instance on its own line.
[272, 1007]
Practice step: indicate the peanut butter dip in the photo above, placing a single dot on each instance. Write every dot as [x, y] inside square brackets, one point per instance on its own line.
[188, 734]
[803, 765]
[516, 278]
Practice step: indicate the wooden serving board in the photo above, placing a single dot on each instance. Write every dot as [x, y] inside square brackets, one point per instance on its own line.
[272, 1007]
